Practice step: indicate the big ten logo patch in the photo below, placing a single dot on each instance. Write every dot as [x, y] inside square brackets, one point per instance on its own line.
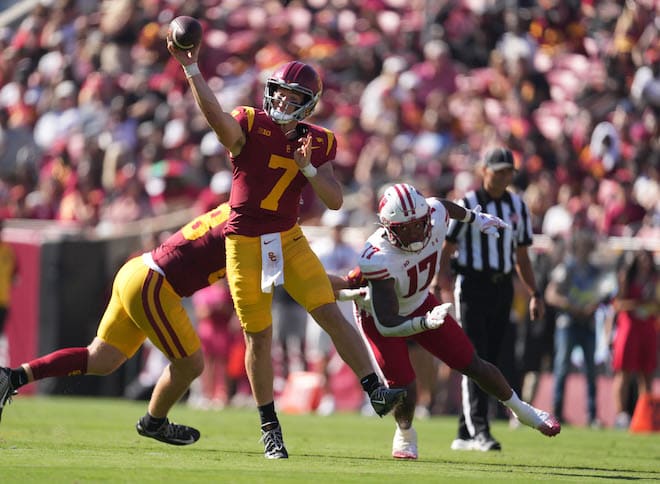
[264, 131]
[272, 256]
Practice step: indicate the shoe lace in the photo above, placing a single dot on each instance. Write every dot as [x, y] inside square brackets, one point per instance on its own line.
[378, 394]
[272, 439]
[175, 431]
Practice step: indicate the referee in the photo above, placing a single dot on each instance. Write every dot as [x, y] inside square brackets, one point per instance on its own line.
[483, 289]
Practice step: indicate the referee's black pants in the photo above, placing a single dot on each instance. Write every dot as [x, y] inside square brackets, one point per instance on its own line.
[484, 309]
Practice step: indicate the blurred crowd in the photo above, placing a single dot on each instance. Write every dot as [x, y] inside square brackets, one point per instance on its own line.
[97, 126]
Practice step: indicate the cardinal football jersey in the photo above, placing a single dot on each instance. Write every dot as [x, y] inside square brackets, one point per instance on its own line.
[194, 256]
[267, 184]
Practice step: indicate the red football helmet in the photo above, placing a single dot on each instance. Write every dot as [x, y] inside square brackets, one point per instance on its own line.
[297, 77]
[406, 217]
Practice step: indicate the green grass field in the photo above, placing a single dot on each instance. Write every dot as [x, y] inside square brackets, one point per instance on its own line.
[57, 439]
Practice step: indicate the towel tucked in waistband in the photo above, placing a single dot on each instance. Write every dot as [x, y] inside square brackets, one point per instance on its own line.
[272, 262]
[149, 261]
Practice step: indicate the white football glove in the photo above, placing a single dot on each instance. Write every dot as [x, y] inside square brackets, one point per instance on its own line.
[487, 223]
[360, 296]
[436, 316]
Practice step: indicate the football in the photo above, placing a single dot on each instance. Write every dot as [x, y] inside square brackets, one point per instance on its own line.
[186, 32]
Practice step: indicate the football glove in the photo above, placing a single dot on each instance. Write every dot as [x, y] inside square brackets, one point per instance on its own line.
[487, 223]
[433, 319]
[360, 296]
[436, 316]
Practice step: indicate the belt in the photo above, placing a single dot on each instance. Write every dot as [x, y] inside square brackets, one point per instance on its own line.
[487, 276]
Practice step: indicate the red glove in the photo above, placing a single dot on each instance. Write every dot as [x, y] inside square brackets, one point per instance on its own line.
[355, 279]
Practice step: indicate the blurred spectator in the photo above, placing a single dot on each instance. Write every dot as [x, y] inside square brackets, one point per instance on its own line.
[517, 43]
[558, 219]
[289, 326]
[218, 329]
[635, 334]
[129, 202]
[537, 203]
[121, 22]
[63, 117]
[216, 193]
[351, 139]
[214, 156]
[435, 72]
[624, 215]
[378, 163]
[379, 111]
[81, 202]
[573, 291]
[18, 150]
[170, 185]
[605, 149]
[338, 256]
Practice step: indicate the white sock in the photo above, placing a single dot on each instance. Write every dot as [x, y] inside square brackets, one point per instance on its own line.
[524, 411]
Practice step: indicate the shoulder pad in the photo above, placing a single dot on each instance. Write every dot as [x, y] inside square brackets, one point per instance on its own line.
[244, 114]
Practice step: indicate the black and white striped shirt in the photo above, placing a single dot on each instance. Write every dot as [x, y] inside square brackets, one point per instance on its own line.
[482, 253]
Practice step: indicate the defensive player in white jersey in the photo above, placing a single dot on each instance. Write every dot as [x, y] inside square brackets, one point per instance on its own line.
[397, 265]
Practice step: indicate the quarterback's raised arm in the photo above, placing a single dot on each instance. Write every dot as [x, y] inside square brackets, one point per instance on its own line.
[226, 128]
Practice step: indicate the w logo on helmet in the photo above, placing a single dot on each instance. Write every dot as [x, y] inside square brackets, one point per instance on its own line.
[406, 217]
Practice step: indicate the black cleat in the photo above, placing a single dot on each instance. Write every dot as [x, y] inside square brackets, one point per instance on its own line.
[170, 433]
[384, 399]
[274, 444]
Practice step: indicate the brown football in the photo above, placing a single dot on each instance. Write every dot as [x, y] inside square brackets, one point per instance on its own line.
[186, 32]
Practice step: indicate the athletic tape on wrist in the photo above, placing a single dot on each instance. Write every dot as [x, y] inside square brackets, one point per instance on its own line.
[469, 216]
[309, 171]
[191, 70]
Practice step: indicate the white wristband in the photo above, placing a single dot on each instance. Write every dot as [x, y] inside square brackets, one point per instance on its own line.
[351, 294]
[309, 171]
[407, 328]
[191, 70]
[469, 216]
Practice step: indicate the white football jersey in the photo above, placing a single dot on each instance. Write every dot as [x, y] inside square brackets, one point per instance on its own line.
[411, 271]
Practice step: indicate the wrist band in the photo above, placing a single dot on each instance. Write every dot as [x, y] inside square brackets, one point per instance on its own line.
[191, 70]
[469, 216]
[309, 171]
